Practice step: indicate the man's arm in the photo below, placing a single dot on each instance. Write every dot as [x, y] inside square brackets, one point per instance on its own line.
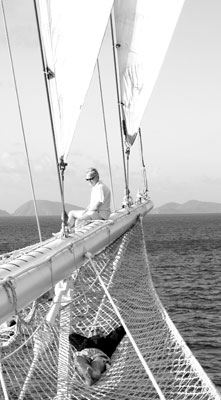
[96, 206]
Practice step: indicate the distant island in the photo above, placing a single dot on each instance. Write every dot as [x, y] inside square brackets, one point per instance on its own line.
[190, 207]
[53, 208]
[44, 207]
[4, 213]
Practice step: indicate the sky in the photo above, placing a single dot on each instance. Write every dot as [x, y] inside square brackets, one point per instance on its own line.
[181, 126]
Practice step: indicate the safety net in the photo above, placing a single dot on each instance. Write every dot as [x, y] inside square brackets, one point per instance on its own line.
[37, 360]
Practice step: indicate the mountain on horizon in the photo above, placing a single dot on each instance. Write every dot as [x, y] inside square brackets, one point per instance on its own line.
[45, 207]
[50, 208]
[190, 207]
[4, 213]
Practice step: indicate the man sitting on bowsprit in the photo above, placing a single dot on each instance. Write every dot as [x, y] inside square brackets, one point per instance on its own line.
[99, 207]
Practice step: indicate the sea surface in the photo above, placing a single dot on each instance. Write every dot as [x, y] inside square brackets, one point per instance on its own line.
[184, 253]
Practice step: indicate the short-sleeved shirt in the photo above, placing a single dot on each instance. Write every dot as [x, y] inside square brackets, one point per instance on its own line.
[101, 193]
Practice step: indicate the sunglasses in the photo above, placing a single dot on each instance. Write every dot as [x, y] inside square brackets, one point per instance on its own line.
[89, 179]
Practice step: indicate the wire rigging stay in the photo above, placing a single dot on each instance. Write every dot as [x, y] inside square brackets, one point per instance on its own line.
[21, 120]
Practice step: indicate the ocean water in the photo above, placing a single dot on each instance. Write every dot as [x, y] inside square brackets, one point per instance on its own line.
[184, 253]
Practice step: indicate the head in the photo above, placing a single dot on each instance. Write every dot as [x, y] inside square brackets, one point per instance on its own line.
[92, 176]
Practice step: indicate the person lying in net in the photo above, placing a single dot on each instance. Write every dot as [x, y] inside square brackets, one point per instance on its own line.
[93, 354]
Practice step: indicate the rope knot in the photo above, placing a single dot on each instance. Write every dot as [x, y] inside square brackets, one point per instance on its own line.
[9, 286]
[49, 73]
[62, 164]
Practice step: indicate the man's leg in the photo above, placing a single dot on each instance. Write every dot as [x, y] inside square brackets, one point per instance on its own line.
[73, 215]
[82, 221]
[111, 341]
[86, 217]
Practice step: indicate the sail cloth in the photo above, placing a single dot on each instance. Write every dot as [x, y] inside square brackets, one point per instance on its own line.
[72, 32]
[144, 29]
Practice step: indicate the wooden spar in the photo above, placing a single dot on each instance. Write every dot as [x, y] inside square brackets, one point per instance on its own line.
[26, 278]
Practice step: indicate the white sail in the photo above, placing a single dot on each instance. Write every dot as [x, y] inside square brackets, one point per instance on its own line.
[144, 30]
[72, 32]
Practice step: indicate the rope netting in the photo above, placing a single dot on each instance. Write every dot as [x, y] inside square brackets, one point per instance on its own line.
[37, 361]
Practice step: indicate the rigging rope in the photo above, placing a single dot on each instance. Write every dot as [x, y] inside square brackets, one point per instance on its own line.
[21, 121]
[48, 74]
[2, 381]
[136, 348]
[145, 193]
[105, 131]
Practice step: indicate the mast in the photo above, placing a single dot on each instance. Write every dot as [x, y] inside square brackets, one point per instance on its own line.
[115, 45]
[48, 74]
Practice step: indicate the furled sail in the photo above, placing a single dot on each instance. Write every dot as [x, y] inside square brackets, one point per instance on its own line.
[144, 30]
[72, 32]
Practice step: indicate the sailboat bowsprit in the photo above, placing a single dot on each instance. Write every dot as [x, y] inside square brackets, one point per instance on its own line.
[99, 275]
